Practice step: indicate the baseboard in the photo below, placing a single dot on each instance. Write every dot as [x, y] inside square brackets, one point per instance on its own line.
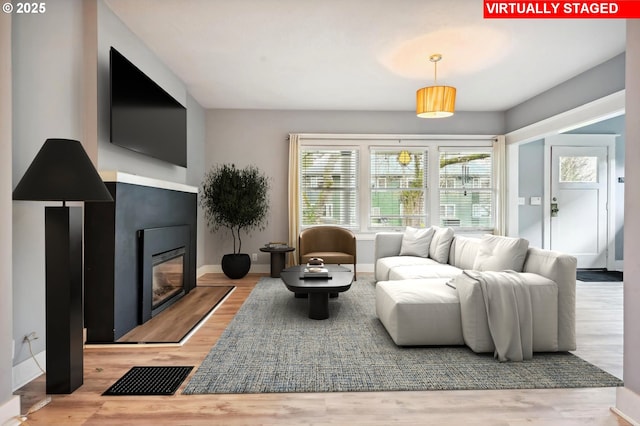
[10, 412]
[265, 269]
[627, 405]
[618, 265]
[27, 370]
[217, 269]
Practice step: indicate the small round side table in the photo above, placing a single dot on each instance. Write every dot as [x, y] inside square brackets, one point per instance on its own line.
[277, 258]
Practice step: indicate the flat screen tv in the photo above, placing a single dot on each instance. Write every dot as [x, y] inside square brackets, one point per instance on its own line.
[144, 117]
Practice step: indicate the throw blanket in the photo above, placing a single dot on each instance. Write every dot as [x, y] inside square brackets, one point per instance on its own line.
[509, 313]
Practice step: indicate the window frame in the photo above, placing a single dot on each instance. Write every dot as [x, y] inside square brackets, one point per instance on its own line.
[432, 144]
[491, 189]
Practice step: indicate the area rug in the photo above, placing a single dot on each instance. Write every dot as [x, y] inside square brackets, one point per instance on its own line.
[272, 346]
[598, 275]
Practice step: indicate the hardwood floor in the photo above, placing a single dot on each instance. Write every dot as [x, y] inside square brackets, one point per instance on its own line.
[599, 326]
[179, 319]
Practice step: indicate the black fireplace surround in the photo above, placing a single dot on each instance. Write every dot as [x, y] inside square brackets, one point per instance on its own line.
[112, 283]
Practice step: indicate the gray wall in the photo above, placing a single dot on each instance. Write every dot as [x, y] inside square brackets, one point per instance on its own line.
[196, 118]
[600, 81]
[6, 306]
[260, 138]
[531, 184]
[46, 72]
[112, 32]
[55, 104]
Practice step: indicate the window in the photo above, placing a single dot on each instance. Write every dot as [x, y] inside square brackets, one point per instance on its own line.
[447, 210]
[328, 187]
[579, 169]
[402, 201]
[472, 194]
[376, 183]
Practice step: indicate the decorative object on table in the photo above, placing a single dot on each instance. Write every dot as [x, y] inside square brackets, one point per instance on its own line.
[62, 171]
[276, 245]
[236, 199]
[315, 261]
[278, 252]
[315, 269]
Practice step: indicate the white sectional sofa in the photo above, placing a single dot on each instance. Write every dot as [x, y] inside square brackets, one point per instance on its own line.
[430, 283]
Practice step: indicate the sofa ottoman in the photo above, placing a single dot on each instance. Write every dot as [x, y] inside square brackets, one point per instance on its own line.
[420, 312]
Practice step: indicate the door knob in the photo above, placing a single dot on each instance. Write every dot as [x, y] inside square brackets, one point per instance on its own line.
[554, 209]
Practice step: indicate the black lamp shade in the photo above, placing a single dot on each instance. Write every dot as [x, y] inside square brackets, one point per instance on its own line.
[61, 171]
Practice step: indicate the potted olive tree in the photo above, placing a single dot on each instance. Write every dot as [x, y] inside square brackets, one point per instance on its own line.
[236, 199]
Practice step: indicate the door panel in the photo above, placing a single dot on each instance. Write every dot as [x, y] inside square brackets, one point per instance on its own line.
[579, 194]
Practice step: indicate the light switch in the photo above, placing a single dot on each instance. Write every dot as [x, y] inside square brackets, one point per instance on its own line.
[521, 201]
[535, 201]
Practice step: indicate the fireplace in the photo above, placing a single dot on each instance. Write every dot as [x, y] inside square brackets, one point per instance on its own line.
[167, 281]
[163, 259]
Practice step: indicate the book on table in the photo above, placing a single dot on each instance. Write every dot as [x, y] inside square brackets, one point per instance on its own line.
[315, 271]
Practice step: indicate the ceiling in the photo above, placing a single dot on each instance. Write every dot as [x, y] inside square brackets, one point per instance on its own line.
[362, 54]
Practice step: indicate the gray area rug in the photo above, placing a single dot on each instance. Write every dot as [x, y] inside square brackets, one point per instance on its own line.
[272, 346]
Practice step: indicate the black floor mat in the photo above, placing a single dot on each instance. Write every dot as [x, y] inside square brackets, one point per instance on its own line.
[149, 381]
[598, 275]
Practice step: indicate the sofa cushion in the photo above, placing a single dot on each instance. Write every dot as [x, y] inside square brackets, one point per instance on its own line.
[419, 312]
[437, 270]
[544, 304]
[497, 253]
[416, 241]
[463, 251]
[441, 244]
[384, 265]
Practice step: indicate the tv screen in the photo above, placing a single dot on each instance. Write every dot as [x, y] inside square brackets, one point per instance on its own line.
[145, 118]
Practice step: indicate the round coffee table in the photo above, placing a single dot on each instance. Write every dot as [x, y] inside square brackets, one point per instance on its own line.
[278, 255]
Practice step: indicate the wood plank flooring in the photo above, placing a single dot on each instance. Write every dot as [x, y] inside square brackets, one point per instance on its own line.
[178, 319]
[599, 326]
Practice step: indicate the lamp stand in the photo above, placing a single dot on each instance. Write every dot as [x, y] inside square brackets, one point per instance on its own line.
[64, 328]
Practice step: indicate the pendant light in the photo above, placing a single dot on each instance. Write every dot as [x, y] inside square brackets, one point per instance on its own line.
[435, 101]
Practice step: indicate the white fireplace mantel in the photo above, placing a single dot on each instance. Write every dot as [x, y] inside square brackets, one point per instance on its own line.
[116, 176]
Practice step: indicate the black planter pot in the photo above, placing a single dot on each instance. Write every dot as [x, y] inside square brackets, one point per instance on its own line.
[236, 266]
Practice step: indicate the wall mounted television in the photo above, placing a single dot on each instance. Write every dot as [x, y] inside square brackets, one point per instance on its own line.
[144, 117]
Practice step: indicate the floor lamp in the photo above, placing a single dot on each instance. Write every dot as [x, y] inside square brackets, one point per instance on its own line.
[62, 171]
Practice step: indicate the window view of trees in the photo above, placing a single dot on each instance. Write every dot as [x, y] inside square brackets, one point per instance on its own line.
[398, 194]
[328, 187]
[398, 188]
[578, 169]
[466, 189]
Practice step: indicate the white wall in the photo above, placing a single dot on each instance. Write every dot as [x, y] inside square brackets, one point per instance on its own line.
[9, 405]
[196, 136]
[258, 137]
[628, 398]
[60, 70]
[47, 69]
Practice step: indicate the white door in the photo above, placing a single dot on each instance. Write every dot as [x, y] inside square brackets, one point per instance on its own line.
[579, 185]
